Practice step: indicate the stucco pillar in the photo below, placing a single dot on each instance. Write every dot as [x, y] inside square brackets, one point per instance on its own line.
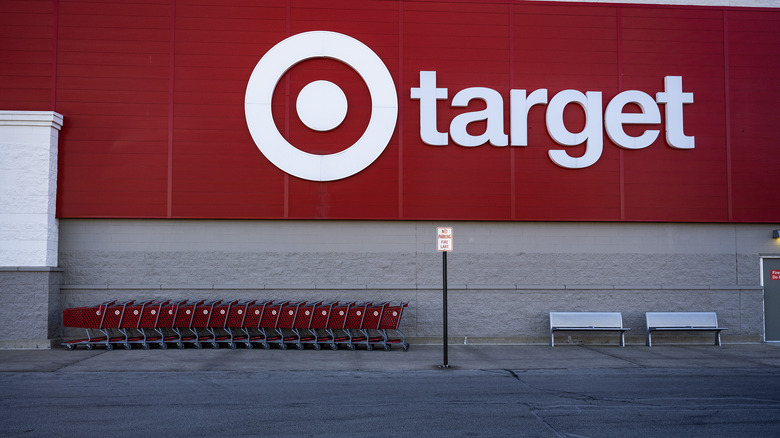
[29, 234]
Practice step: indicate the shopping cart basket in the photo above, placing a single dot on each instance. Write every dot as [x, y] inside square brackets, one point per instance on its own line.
[234, 322]
[251, 324]
[164, 317]
[129, 324]
[369, 326]
[268, 323]
[110, 315]
[284, 325]
[390, 320]
[354, 323]
[90, 318]
[336, 326]
[215, 325]
[319, 324]
[302, 323]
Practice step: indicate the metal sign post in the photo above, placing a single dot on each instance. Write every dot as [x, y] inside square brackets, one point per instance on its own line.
[444, 245]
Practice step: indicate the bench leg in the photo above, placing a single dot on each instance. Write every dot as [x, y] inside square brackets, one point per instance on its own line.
[552, 338]
[622, 339]
[649, 341]
[717, 339]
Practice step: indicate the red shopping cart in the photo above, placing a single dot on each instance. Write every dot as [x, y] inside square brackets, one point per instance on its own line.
[234, 322]
[337, 326]
[284, 324]
[217, 321]
[390, 321]
[251, 324]
[302, 323]
[110, 315]
[162, 322]
[319, 324]
[90, 318]
[268, 324]
[369, 326]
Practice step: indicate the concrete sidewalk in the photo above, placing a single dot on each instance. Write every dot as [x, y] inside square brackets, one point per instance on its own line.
[419, 357]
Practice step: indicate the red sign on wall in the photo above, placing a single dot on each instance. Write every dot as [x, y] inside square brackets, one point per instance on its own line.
[774, 274]
[503, 110]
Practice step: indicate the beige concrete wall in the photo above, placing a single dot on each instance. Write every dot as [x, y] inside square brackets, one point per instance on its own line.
[503, 278]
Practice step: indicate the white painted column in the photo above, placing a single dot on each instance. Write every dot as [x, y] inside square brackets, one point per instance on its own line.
[29, 231]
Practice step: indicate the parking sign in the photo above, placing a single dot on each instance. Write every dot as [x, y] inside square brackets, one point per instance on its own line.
[444, 238]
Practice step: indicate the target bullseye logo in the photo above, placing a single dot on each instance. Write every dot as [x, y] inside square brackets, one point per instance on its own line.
[321, 105]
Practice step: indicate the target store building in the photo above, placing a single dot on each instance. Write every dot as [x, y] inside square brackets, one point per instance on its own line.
[589, 156]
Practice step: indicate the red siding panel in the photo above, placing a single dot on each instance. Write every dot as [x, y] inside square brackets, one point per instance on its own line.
[660, 182]
[153, 97]
[26, 50]
[754, 45]
[112, 88]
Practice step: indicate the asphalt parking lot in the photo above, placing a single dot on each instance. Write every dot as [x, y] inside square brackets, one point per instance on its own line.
[489, 390]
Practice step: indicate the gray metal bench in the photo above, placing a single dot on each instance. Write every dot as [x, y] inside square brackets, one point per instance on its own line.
[587, 321]
[682, 322]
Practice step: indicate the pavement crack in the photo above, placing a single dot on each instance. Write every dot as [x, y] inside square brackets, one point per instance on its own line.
[615, 356]
[553, 392]
[545, 422]
[78, 361]
[514, 374]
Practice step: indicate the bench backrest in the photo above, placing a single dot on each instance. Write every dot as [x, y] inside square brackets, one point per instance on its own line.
[586, 319]
[681, 319]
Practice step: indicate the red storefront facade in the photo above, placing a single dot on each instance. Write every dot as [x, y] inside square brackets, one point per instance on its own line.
[590, 156]
[153, 94]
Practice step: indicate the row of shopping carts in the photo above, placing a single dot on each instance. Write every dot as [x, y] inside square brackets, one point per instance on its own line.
[233, 323]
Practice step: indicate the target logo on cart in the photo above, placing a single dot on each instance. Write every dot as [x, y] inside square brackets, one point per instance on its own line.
[321, 105]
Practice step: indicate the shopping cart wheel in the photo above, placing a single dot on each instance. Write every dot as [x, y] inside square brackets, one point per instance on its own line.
[266, 346]
[334, 347]
[249, 345]
[232, 345]
[163, 346]
[69, 347]
[145, 346]
[180, 345]
[299, 346]
[214, 345]
[406, 347]
[109, 347]
[351, 347]
[198, 346]
[127, 346]
[387, 347]
[369, 347]
[317, 347]
[282, 346]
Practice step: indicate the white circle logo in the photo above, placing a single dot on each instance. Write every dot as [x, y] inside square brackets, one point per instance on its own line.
[321, 105]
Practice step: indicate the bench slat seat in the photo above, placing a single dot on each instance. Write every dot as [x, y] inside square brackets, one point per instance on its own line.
[587, 321]
[682, 322]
